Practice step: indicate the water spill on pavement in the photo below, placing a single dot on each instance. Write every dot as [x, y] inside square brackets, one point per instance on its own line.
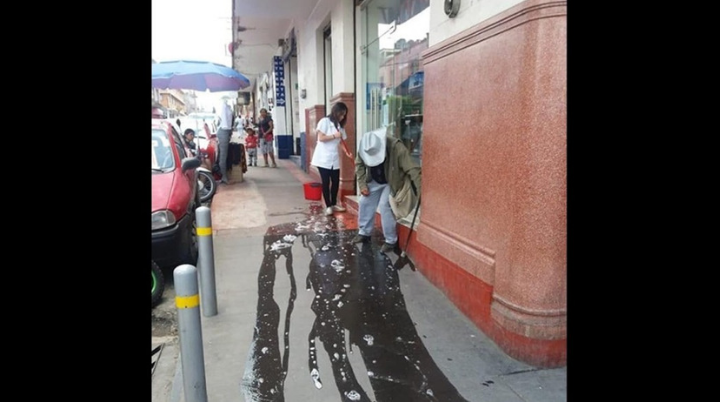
[356, 294]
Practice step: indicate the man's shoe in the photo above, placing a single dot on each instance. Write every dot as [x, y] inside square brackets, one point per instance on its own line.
[387, 247]
[328, 211]
[339, 208]
[360, 239]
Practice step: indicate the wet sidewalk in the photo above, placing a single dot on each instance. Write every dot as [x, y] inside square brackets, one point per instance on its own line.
[304, 315]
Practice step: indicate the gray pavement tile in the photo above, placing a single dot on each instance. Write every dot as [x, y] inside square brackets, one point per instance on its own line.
[541, 385]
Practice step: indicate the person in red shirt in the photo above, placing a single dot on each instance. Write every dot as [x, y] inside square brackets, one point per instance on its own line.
[251, 144]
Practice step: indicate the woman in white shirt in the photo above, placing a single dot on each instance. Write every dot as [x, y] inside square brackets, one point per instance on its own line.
[326, 158]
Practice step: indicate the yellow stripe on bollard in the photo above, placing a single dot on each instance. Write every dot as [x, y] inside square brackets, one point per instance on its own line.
[206, 231]
[187, 301]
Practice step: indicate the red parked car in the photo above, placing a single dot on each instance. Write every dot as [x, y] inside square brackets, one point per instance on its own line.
[175, 197]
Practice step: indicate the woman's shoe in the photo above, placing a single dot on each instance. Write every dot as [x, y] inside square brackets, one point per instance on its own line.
[339, 208]
[328, 211]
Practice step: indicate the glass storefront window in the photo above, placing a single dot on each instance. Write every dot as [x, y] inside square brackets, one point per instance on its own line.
[396, 32]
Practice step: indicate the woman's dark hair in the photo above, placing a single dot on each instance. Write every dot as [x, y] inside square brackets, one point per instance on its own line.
[189, 131]
[335, 111]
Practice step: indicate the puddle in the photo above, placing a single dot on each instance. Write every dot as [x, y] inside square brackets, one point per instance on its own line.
[356, 296]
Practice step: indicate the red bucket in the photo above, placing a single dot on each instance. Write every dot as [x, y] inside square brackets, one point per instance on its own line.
[313, 191]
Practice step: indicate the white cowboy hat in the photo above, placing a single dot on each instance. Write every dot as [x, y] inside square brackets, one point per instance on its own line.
[372, 147]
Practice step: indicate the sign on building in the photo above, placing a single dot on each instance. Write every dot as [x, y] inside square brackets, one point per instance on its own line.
[279, 68]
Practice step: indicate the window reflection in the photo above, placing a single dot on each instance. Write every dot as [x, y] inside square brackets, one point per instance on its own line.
[162, 155]
[397, 32]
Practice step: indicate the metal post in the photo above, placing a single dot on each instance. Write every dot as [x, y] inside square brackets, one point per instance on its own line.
[190, 333]
[206, 261]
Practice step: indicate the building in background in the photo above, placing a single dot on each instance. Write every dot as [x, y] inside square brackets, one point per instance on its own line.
[477, 90]
[190, 98]
[156, 98]
[173, 101]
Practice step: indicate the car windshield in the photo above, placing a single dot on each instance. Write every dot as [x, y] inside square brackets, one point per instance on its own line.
[162, 156]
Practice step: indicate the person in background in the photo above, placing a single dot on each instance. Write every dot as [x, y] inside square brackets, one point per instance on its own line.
[223, 134]
[251, 143]
[189, 135]
[326, 158]
[239, 123]
[267, 127]
[380, 167]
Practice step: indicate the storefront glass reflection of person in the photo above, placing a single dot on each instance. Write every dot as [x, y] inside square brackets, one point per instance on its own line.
[411, 130]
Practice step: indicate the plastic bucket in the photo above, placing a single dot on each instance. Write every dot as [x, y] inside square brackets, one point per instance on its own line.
[313, 191]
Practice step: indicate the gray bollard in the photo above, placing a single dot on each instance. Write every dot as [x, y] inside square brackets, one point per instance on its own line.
[187, 302]
[206, 261]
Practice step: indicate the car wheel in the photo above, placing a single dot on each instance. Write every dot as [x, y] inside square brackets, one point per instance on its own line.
[158, 284]
[191, 254]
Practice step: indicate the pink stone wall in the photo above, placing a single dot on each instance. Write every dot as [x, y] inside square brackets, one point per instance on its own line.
[494, 166]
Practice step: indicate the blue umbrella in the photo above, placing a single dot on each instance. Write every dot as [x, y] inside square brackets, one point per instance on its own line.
[197, 75]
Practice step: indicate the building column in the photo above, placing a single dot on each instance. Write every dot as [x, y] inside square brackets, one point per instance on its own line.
[313, 114]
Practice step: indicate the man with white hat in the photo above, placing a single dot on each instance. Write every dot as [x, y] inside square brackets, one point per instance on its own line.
[381, 165]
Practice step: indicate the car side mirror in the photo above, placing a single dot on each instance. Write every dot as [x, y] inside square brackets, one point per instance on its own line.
[190, 163]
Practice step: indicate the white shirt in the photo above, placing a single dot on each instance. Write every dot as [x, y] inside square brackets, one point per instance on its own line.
[327, 153]
[226, 117]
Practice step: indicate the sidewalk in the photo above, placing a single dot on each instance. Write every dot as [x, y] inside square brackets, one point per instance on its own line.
[283, 271]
